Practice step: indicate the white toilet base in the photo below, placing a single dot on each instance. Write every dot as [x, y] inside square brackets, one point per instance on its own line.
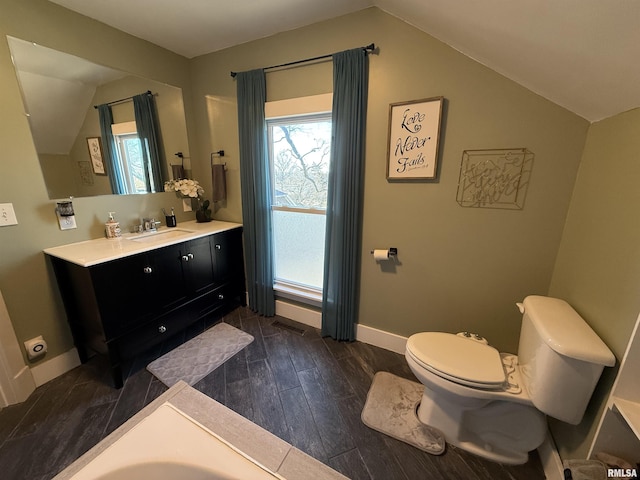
[500, 431]
[510, 458]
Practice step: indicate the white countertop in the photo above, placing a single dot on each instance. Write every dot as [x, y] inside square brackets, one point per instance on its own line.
[100, 250]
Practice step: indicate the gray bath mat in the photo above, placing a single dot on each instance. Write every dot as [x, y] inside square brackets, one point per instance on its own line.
[195, 359]
[391, 409]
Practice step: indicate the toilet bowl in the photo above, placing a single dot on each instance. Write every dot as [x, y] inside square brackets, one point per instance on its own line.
[495, 404]
[474, 396]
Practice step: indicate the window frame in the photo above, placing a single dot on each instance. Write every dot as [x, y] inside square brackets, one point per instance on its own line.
[307, 110]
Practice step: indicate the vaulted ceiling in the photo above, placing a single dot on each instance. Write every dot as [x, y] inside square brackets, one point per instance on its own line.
[581, 54]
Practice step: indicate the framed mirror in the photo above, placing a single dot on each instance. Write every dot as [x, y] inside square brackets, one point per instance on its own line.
[60, 94]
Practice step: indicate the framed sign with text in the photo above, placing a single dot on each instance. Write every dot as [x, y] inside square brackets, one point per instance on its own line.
[414, 131]
[95, 154]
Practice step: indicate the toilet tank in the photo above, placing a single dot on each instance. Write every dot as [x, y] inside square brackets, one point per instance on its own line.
[560, 356]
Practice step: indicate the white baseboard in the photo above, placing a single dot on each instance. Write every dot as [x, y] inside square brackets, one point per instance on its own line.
[24, 384]
[56, 366]
[550, 459]
[380, 338]
[365, 334]
[16, 389]
[306, 316]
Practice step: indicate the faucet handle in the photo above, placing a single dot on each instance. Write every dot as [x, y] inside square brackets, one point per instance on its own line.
[149, 224]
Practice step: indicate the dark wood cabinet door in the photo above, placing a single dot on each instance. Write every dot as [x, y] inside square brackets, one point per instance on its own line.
[227, 253]
[169, 285]
[122, 289]
[198, 265]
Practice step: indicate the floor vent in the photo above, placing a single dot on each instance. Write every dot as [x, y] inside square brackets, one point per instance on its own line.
[291, 328]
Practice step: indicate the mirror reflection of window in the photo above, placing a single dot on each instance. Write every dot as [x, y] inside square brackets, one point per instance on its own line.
[129, 156]
[59, 93]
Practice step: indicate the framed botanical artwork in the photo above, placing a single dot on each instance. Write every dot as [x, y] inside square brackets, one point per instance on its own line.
[414, 132]
[95, 154]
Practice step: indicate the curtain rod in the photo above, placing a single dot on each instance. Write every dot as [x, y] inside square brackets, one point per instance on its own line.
[370, 47]
[148, 92]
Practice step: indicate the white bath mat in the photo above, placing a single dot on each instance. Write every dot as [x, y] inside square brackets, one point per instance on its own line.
[195, 359]
[391, 409]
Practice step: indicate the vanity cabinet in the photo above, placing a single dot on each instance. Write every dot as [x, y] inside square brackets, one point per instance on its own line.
[124, 306]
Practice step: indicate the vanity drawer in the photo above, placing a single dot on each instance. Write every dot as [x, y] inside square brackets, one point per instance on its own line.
[208, 303]
[153, 333]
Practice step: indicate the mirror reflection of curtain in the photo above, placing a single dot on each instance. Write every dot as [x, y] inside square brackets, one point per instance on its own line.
[114, 169]
[144, 107]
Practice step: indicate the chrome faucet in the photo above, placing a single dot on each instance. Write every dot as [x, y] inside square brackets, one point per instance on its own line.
[150, 224]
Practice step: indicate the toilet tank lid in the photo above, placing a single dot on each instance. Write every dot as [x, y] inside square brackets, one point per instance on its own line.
[565, 331]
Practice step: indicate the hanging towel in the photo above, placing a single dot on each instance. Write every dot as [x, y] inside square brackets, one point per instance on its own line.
[219, 182]
[177, 171]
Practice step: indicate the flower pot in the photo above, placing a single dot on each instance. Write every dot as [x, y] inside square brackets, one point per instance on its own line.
[203, 216]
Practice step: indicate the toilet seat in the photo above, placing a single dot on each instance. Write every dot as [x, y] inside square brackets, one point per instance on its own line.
[458, 359]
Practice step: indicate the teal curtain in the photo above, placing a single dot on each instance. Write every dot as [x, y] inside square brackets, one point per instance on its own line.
[345, 192]
[144, 108]
[113, 167]
[256, 191]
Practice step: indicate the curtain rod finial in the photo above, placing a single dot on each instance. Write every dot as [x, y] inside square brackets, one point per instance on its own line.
[371, 48]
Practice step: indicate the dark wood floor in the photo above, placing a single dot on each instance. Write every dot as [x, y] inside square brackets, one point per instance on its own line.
[305, 389]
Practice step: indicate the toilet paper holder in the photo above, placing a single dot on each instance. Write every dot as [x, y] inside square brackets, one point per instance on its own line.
[392, 252]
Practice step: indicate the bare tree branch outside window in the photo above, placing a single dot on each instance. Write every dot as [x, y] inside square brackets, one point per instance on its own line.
[301, 163]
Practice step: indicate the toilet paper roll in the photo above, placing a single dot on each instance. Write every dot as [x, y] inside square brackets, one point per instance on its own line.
[381, 255]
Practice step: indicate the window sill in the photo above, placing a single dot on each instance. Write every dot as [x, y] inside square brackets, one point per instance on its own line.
[298, 293]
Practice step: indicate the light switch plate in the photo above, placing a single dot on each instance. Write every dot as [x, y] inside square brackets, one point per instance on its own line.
[7, 215]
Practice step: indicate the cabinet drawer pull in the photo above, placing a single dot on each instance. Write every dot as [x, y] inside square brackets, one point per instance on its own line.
[162, 329]
[147, 270]
[185, 258]
[218, 246]
[220, 296]
[190, 255]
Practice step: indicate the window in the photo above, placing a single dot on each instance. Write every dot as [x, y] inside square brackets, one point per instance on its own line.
[131, 159]
[299, 154]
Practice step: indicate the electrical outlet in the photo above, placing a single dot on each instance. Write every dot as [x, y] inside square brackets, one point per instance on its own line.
[7, 215]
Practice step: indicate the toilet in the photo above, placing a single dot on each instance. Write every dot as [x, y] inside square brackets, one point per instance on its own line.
[494, 404]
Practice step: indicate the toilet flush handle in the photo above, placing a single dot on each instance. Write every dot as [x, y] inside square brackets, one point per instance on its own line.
[520, 307]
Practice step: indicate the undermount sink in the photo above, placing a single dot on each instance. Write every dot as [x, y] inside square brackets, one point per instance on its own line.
[160, 235]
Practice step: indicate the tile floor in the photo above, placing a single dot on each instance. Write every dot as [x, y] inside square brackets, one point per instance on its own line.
[305, 389]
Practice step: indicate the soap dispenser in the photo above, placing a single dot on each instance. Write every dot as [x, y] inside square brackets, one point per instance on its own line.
[112, 228]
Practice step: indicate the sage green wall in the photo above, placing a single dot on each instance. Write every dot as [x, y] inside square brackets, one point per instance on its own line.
[598, 264]
[460, 268]
[60, 174]
[26, 281]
